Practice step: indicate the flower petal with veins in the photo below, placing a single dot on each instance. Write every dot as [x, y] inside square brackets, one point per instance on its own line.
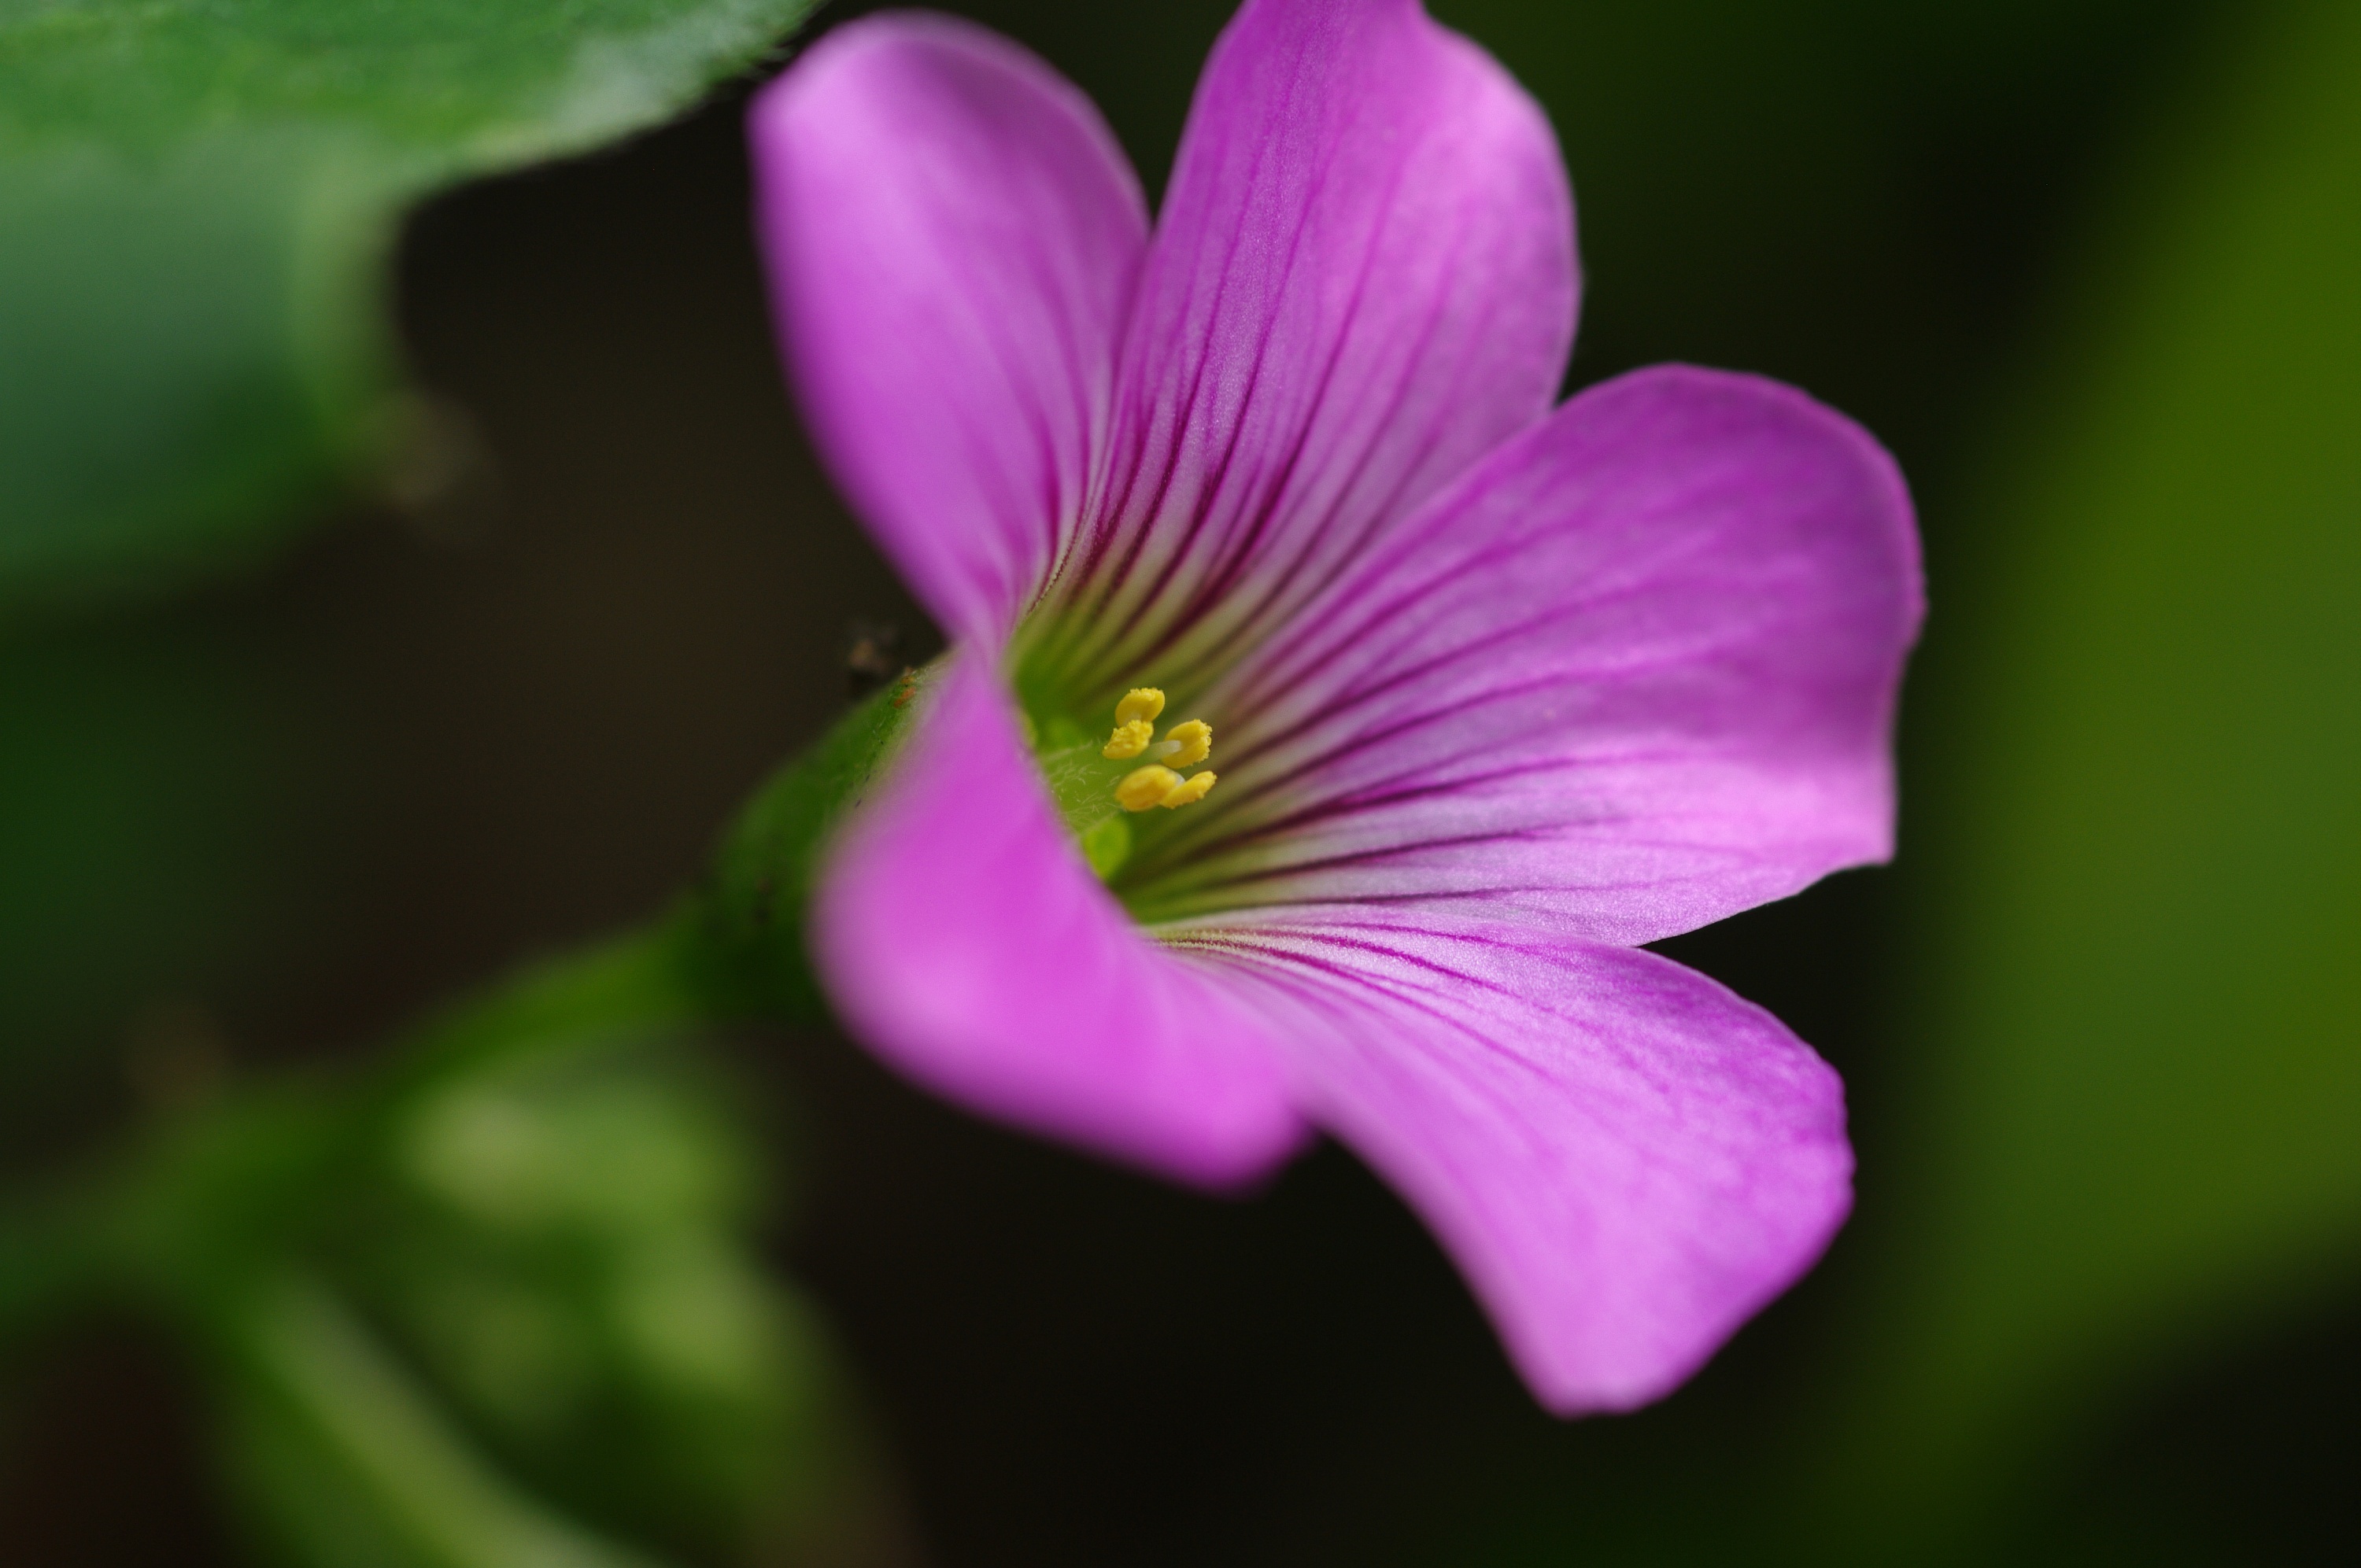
[1635, 673]
[1363, 279]
[1494, 693]
[952, 237]
[1628, 1160]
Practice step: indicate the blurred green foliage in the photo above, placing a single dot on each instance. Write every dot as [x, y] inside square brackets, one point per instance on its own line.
[496, 1301]
[196, 202]
[344, 1460]
[559, 1240]
[2140, 1002]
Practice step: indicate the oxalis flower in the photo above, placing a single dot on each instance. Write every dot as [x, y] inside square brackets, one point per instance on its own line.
[1465, 696]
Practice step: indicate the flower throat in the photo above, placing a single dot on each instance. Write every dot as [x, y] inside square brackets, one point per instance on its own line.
[1096, 801]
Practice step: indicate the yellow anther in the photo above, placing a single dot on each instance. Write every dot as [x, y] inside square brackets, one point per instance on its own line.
[1129, 741]
[1144, 787]
[1194, 740]
[1188, 792]
[1185, 746]
[1141, 703]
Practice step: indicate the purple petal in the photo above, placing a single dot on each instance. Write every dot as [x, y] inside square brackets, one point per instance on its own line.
[1627, 1160]
[1635, 673]
[1363, 279]
[961, 936]
[952, 237]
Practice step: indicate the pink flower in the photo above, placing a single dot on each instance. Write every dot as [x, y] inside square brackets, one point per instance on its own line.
[1497, 691]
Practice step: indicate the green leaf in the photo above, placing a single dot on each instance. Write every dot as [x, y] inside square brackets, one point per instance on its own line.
[197, 200]
[2143, 1119]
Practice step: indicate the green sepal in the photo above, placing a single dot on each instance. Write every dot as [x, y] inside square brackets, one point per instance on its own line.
[749, 909]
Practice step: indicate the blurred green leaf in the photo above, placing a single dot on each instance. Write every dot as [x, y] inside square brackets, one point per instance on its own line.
[196, 203]
[2142, 1017]
[344, 1460]
[502, 1300]
[562, 1238]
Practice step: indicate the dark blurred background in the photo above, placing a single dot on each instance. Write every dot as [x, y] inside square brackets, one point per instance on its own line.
[272, 821]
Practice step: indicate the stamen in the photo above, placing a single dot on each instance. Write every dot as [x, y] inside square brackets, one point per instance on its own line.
[1188, 792]
[1190, 742]
[1144, 787]
[1141, 703]
[1185, 745]
[1129, 741]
